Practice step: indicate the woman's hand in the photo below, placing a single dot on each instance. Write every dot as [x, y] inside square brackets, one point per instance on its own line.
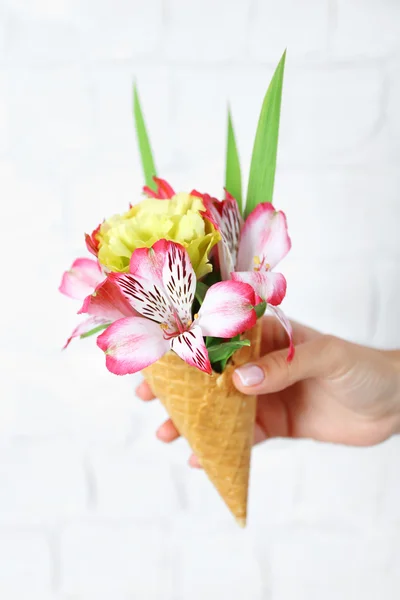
[332, 391]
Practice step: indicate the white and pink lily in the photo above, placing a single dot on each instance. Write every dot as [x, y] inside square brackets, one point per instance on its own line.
[250, 249]
[86, 281]
[161, 287]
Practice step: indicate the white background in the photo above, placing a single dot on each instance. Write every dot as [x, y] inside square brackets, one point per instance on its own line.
[92, 506]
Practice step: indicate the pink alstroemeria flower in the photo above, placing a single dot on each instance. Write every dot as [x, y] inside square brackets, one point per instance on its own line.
[249, 250]
[86, 281]
[161, 287]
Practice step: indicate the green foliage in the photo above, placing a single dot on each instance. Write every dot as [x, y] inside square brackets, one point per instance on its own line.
[233, 176]
[220, 352]
[265, 149]
[149, 169]
[260, 309]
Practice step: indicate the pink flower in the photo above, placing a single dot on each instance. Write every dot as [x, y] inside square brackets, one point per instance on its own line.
[81, 279]
[161, 287]
[103, 301]
[248, 251]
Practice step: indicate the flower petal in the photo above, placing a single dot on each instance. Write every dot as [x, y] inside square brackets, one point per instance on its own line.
[211, 205]
[231, 224]
[264, 238]
[282, 318]
[82, 278]
[227, 309]
[92, 242]
[191, 348]
[226, 218]
[132, 344]
[179, 281]
[161, 285]
[147, 298]
[85, 327]
[164, 190]
[107, 301]
[268, 286]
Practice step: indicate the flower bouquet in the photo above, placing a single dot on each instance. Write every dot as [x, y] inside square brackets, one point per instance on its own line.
[177, 288]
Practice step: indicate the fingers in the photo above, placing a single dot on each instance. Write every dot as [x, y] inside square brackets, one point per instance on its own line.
[273, 373]
[167, 432]
[259, 434]
[194, 462]
[143, 391]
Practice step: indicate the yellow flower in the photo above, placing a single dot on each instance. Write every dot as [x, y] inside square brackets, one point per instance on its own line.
[177, 219]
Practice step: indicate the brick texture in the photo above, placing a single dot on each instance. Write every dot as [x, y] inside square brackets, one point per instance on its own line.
[92, 506]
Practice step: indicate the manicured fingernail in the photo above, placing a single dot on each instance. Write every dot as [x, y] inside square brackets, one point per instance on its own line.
[250, 375]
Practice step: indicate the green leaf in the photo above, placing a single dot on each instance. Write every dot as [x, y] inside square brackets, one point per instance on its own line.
[222, 363]
[263, 160]
[225, 350]
[149, 169]
[201, 290]
[212, 341]
[233, 176]
[260, 309]
[94, 331]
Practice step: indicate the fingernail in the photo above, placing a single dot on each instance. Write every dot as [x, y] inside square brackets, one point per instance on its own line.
[250, 375]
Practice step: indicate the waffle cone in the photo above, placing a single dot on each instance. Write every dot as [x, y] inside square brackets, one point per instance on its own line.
[215, 418]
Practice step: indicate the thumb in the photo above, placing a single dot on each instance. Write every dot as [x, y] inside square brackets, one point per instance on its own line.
[273, 372]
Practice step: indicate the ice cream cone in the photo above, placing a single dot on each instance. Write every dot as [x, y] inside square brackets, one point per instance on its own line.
[216, 419]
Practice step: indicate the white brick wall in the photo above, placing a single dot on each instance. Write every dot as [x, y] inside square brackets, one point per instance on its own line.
[92, 506]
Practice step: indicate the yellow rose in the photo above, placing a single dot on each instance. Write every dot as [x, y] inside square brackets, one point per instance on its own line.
[177, 219]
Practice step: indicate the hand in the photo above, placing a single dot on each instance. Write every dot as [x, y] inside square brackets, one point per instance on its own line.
[332, 391]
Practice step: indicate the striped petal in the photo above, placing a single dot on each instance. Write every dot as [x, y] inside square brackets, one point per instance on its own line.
[161, 285]
[191, 348]
[132, 344]
[264, 240]
[226, 218]
[179, 281]
[227, 310]
[107, 301]
[81, 279]
[268, 286]
[231, 224]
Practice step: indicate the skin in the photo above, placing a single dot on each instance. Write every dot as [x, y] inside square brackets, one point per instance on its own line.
[333, 390]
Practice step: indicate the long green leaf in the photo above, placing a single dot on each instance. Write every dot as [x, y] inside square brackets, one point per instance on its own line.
[233, 175]
[263, 160]
[149, 169]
